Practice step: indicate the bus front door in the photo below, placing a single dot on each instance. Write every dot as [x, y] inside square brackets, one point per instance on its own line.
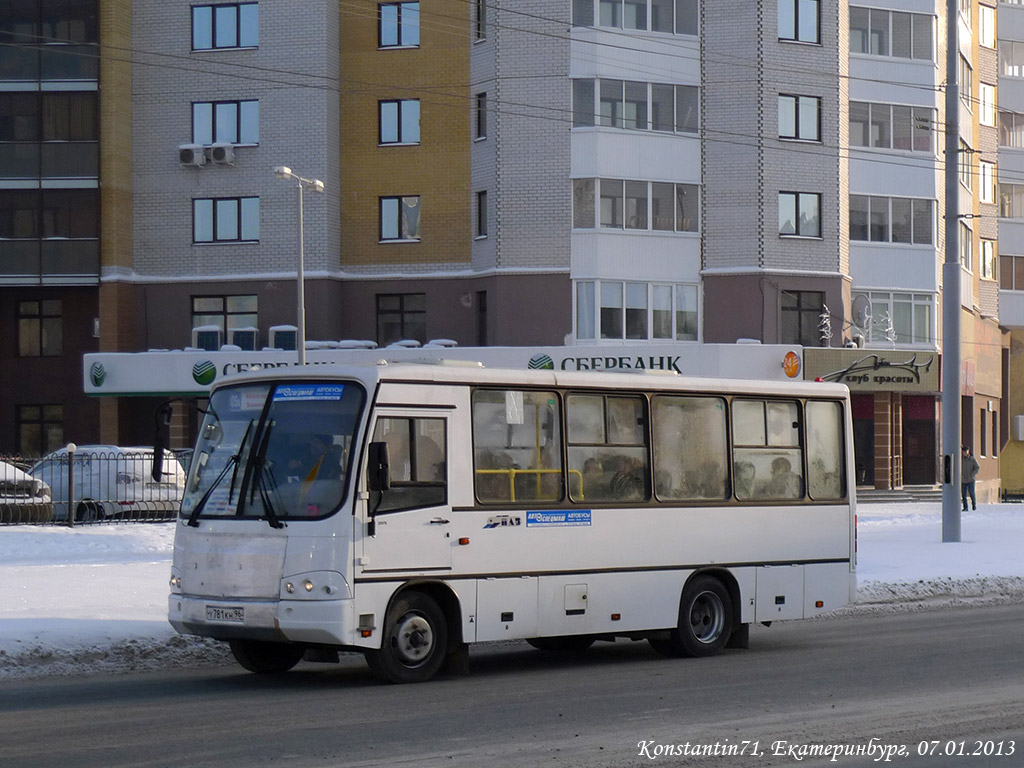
[408, 526]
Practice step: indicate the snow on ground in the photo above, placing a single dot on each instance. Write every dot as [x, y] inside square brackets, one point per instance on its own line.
[94, 598]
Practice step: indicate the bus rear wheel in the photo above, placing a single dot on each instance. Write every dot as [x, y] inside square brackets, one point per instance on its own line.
[705, 620]
[415, 640]
[266, 658]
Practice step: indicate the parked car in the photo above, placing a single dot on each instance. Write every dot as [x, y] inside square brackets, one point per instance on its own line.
[112, 482]
[23, 498]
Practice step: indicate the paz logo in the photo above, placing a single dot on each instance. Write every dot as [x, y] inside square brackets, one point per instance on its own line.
[204, 373]
[98, 374]
[541, 363]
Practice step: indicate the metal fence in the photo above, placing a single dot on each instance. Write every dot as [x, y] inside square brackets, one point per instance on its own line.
[91, 486]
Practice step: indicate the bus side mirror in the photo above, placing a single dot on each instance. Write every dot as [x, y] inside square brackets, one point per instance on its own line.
[378, 470]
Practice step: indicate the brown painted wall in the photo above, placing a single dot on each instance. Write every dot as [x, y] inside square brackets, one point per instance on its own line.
[748, 306]
[436, 73]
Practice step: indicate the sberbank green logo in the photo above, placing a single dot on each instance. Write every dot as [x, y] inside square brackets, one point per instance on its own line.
[541, 363]
[204, 373]
[98, 374]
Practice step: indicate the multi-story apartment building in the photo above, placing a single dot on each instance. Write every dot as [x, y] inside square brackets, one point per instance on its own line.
[60, 137]
[610, 172]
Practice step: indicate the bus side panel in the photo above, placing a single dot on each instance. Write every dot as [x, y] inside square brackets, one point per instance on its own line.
[586, 603]
[506, 609]
[827, 583]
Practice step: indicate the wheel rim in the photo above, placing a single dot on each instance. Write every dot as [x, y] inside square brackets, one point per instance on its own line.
[707, 617]
[414, 639]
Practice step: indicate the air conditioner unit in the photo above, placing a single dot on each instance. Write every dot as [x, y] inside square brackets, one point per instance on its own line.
[283, 337]
[1018, 428]
[208, 337]
[191, 155]
[244, 338]
[223, 153]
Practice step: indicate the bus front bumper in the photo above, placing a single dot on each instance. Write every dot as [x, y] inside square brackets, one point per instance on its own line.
[327, 622]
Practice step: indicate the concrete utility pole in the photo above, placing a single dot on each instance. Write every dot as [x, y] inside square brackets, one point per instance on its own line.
[951, 289]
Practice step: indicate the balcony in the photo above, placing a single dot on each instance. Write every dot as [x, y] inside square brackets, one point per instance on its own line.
[49, 160]
[50, 262]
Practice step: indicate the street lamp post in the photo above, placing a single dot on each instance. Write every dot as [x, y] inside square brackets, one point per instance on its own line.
[284, 172]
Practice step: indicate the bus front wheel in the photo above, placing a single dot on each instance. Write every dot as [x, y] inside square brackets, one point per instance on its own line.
[705, 620]
[415, 640]
[266, 658]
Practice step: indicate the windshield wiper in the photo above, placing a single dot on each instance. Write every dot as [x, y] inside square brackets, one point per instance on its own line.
[232, 464]
[259, 464]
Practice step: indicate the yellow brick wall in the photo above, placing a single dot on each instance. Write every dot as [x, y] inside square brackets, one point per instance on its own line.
[437, 73]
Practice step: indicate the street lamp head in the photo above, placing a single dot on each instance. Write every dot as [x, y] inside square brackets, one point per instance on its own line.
[283, 172]
[317, 186]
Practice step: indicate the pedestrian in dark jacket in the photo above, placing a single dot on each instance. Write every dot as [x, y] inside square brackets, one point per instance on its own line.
[969, 468]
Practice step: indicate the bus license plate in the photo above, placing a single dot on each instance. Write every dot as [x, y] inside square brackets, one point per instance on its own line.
[214, 613]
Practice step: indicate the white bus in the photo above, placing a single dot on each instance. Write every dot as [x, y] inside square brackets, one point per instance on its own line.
[406, 511]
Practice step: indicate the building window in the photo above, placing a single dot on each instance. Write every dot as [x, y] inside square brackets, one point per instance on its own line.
[400, 218]
[987, 26]
[801, 318]
[57, 214]
[965, 74]
[636, 106]
[799, 214]
[965, 165]
[40, 429]
[1011, 201]
[401, 316]
[1011, 130]
[49, 40]
[636, 311]
[904, 318]
[995, 434]
[225, 219]
[891, 219]
[1011, 58]
[988, 259]
[481, 116]
[966, 247]
[1011, 273]
[480, 19]
[892, 33]
[667, 16]
[399, 25]
[891, 126]
[636, 205]
[481, 214]
[399, 121]
[226, 312]
[986, 182]
[234, 25]
[234, 122]
[987, 104]
[798, 20]
[40, 331]
[799, 117]
[49, 134]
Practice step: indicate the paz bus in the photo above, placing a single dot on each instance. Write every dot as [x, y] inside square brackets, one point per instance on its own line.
[405, 511]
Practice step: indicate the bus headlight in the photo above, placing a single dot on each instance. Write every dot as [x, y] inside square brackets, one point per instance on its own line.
[318, 585]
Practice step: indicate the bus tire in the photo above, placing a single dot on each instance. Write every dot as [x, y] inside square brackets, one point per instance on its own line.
[266, 658]
[563, 644]
[705, 621]
[415, 640]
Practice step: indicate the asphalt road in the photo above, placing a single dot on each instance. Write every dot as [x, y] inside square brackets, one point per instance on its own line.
[941, 681]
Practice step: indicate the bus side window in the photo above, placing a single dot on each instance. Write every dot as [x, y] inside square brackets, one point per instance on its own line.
[417, 449]
[607, 448]
[517, 446]
[691, 459]
[825, 476]
[767, 458]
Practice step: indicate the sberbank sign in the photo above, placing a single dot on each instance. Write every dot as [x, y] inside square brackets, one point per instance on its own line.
[623, 362]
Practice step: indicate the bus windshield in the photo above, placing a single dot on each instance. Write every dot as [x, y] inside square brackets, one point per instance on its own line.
[274, 451]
